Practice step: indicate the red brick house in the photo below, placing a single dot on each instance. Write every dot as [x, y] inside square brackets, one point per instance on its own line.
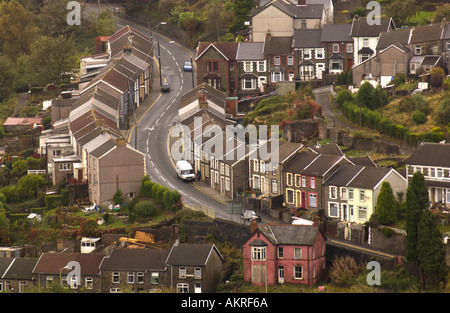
[277, 254]
[216, 65]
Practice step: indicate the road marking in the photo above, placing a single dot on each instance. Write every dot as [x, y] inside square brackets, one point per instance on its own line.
[157, 171]
[157, 121]
[162, 114]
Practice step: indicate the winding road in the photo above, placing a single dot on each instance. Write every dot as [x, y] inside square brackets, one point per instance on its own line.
[154, 125]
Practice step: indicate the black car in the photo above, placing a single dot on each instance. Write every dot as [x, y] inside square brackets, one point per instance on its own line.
[165, 87]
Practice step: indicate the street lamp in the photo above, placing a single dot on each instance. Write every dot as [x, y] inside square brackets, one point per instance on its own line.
[67, 267]
[153, 29]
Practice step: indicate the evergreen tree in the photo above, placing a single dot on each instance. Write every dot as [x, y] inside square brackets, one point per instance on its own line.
[416, 202]
[242, 10]
[386, 205]
[430, 249]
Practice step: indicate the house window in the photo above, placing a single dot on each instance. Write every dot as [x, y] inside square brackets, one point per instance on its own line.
[255, 165]
[215, 66]
[312, 183]
[335, 48]
[432, 172]
[248, 83]
[298, 272]
[362, 212]
[261, 66]
[114, 290]
[56, 152]
[307, 54]
[440, 173]
[336, 65]
[290, 196]
[89, 283]
[350, 194]
[247, 66]
[333, 193]
[290, 60]
[333, 209]
[131, 278]
[258, 253]
[418, 50]
[313, 200]
[197, 273]
[274, 186]
[349, 48]
[297, 253]
[65, 167]
[319, 54]
[344, 193]
[280, 253]
[73, 282]
[366, 42]
[262, 167]
[227, 183]
[304, 181]
[297, 180]
[231, 63]
[276, 60]
[303, 25]
[182, 272]
[362, 195]
[155, 278]
[182, 288]
[289, 179]
[256, 182]
[116, 277]
[277, 76]
[140, 277]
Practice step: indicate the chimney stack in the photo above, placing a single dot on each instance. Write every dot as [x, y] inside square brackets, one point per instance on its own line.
[203, 98]
[301, 2]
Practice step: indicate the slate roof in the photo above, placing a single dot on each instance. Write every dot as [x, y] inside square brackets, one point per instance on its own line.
[191, 254]
[278, 45]
[426, 33]
[360, 27]
[400, 35]
[213, 94]
[4, 264]
[369, 177]
[290, 234]
[311, 163]
[343, 175]
[227, 49]
[330, 148]
[250, 51]
[307, 38]
[53, 263]
[446, 32]
[21, 268]
[135, 259]
[336, 33]
[103, 148]
[142, 45]
[430, 154]
[310, 11]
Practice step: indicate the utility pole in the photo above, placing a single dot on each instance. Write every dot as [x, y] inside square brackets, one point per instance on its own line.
[159, 61]
[192, 73]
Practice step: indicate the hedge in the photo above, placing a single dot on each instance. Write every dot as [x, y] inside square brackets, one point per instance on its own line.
[384, 125]
[161, 194]
[53, 201]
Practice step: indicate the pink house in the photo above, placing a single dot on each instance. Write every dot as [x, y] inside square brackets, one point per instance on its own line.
[277, 254]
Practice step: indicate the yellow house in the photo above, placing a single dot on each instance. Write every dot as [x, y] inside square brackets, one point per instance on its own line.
[351, 192]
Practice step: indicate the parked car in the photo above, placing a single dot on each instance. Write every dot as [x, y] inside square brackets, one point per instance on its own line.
[165, 87]
[249, 215]
[187, 67]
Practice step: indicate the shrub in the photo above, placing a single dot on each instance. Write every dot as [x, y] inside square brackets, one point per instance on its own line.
[172, 200]
[159, 196]
[145, 209]
[344, 270]
[118, 197]
[344, 96]
[419, 117]
[437, 75]
[53, 201]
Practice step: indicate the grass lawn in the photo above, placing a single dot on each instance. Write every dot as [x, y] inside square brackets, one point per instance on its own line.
[421, 18]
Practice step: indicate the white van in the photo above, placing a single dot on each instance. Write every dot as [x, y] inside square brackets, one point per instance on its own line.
[185, 170]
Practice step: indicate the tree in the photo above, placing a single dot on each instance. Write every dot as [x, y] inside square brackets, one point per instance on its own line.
[430, 249]
[242, 10]
[19, 168]
[52, 18]
[386, 205]
[51, 57]
[7, 77]
[118, 197]
[106, 25]
[401, 10]
[364, 93]
[378, 99]
[17, 29]
[416, 202]
[441, 12]
[437, 75]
